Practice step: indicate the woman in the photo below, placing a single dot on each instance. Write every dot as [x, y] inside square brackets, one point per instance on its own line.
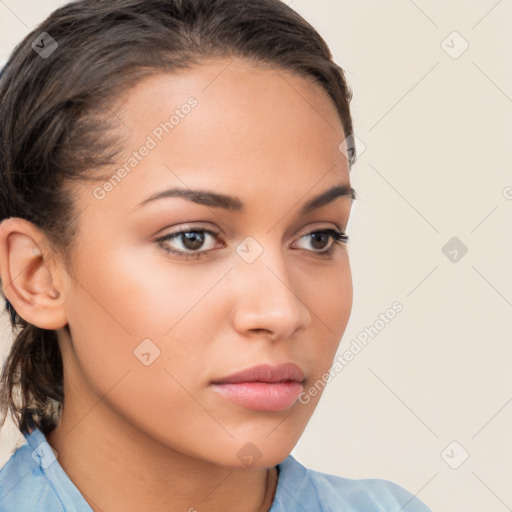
[175, 194]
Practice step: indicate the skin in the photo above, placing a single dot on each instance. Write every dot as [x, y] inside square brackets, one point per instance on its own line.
[135, 437]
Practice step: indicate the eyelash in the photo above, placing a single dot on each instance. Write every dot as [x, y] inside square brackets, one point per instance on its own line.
[339, 238]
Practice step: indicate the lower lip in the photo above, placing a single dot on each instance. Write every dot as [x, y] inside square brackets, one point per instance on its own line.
[261, 396]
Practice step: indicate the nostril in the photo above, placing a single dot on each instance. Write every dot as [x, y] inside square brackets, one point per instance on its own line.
[271, 334]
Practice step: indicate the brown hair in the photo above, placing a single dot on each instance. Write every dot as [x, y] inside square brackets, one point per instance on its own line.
[55, 126]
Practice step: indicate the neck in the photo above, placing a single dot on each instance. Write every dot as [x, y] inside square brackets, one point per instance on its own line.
[122, 468]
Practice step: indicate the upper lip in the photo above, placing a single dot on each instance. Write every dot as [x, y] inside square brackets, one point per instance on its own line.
[265, 373]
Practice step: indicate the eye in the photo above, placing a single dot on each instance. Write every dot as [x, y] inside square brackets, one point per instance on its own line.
[190, 240]
[318, 239]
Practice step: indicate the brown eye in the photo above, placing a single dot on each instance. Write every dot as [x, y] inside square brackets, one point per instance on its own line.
[320, 239]
[190, 242]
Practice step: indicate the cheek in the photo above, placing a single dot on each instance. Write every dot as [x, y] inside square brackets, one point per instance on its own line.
[131, 308]
[145, 294]
[330, 293]
[334, 298]
[141, 344]
[329, 299]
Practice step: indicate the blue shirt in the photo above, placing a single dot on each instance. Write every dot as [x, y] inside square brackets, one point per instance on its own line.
[34, 481]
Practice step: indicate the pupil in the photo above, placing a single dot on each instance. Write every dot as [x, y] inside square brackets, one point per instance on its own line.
[193, 240]
[317, 236]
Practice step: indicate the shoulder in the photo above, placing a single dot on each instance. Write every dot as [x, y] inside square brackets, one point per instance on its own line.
[32, 480]
[22, 484]
[322, 492]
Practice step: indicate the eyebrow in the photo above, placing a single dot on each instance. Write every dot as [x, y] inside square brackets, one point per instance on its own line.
[232, 203]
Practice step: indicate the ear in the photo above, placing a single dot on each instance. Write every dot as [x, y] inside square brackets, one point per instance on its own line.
[31, 280]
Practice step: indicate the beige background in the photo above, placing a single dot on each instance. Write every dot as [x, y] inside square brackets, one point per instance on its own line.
[437, 164]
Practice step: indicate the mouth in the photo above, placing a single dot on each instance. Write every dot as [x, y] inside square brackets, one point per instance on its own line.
[263, 387]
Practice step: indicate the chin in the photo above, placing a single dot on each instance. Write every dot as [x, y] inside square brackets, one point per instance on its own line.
[258, 453]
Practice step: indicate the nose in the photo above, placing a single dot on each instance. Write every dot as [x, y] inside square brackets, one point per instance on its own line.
[266, 300]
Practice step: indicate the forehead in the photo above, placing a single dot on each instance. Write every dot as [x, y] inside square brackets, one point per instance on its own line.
[225, 124]
[236, 99]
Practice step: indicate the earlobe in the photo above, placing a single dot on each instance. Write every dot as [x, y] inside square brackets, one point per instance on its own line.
[30, 279]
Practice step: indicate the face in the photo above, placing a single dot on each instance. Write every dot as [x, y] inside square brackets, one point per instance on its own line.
[170, 295]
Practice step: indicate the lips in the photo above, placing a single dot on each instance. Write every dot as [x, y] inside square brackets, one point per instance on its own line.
[265, 373]
[263, 388]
